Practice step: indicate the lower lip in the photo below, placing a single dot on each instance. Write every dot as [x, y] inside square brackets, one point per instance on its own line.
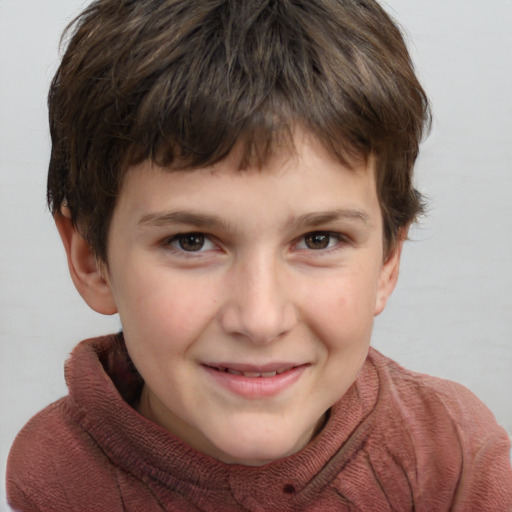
[257, 387]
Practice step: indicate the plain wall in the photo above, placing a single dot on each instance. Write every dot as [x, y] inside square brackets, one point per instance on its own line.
[451, 315]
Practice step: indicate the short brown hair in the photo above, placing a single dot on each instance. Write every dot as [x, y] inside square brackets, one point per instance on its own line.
[184, 80]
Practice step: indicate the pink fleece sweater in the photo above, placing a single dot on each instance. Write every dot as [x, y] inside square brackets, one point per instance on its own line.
[397, 441]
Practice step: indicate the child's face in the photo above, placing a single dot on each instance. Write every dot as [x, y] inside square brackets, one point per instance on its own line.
[224, 277]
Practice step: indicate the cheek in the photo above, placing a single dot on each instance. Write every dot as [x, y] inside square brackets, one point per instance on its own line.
[341, 311]
[165, 307]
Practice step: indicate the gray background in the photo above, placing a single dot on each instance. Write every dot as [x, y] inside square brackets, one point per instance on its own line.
[451, 315]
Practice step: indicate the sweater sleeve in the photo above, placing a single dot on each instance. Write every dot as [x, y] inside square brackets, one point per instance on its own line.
[18, 500]
[488, 486]
[31, 469]
[461, 456]
[485, 480]
[53, 465]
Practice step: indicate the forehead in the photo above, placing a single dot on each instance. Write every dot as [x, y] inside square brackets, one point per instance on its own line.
[298, 180]
[301, 158]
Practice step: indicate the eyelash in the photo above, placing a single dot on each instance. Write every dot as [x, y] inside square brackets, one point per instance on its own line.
[175, 243]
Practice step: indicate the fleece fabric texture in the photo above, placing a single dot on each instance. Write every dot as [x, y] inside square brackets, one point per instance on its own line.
[397, 441]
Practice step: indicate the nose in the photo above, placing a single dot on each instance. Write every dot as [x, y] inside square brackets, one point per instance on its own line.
[259, 305]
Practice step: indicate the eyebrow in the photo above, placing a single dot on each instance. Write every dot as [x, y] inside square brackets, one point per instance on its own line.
[314, 219]
[209, 221]
[199, 220]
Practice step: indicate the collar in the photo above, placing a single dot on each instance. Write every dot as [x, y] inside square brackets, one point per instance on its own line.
[103, 382]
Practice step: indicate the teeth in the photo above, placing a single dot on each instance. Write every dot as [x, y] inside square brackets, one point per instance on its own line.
[253, 374]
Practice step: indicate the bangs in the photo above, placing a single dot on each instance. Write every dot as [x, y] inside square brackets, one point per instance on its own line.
[251, 80]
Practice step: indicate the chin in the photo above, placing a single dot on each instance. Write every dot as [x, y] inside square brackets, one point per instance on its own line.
[254, 457]
[258, 450]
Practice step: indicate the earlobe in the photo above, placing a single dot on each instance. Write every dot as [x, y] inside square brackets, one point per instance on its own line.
[389, 276]
[85, 270]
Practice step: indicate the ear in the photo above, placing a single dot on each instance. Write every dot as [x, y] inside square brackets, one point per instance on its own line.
[389, 274]
[87, 273]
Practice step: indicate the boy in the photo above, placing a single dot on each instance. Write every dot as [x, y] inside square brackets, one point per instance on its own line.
[235, 179]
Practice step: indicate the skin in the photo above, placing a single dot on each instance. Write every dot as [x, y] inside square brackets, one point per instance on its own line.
[286, 268]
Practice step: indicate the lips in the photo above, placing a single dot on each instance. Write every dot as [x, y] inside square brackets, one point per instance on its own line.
[256, 382]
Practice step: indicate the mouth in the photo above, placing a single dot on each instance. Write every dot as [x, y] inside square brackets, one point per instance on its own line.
[253, 373]
[253, 381]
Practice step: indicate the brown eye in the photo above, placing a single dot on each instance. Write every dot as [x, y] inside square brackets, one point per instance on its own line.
[191, 241]
[317, 240]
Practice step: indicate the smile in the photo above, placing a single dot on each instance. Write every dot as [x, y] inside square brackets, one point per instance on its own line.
[251, 373]
[255, 382]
